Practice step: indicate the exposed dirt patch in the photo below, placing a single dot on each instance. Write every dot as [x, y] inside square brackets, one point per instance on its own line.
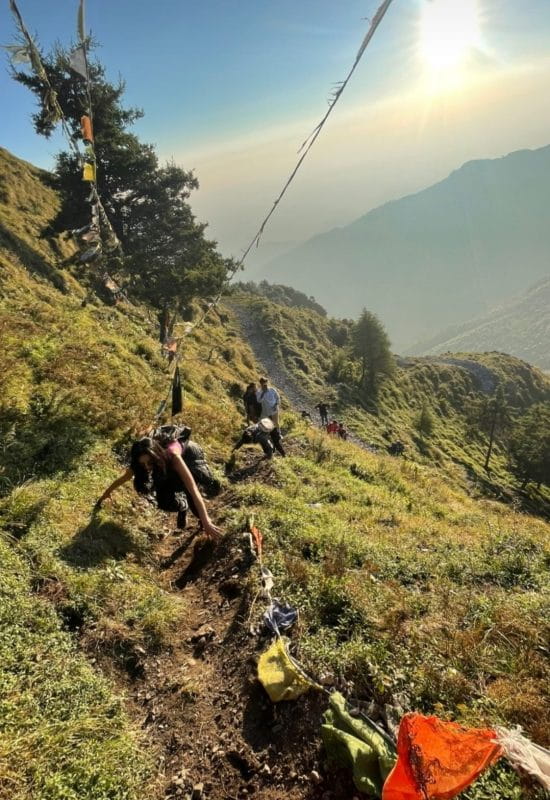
[200, 704]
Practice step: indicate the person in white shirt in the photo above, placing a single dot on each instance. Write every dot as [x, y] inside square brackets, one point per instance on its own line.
[270, 401]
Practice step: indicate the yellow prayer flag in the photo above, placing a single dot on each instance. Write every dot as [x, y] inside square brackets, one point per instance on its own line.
[89, 172]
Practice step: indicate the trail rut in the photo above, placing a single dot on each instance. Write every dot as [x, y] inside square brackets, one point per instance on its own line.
[199, 705]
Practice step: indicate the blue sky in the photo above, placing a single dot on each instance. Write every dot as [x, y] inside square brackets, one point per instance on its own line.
[230, 87]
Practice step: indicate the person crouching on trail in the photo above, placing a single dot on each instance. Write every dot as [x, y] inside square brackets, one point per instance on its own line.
[332, 427]
[252, 406]
[161, 471]
[263, 433]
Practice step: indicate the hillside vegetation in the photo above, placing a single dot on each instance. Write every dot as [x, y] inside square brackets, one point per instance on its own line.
[439, 257]
[412, 590]
[311, 350]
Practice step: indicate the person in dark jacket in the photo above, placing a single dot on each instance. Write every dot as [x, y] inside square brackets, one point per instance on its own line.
[322, 408]
[265, 434]
[252, 406]
[163, 472]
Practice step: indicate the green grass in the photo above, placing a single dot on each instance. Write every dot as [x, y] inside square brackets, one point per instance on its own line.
[407, 587]
[306, 345]
[410, 587]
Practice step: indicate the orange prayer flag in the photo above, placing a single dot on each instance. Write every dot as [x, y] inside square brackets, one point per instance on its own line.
[86, 128]
[436, 760]
[258, 539]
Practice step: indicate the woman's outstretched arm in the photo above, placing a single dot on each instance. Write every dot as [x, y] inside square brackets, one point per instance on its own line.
[124, 478]
[179, 465]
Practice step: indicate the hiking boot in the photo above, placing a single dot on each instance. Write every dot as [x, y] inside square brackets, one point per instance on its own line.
[181, 522]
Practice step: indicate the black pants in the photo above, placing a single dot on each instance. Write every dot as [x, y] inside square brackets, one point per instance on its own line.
[277, 441]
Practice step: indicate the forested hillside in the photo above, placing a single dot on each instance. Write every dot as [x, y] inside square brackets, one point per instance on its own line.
[314, 353]
[127, 666]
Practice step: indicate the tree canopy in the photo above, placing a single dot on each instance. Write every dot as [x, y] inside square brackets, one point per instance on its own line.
[371, 346]
[530, 446]
[168, 259]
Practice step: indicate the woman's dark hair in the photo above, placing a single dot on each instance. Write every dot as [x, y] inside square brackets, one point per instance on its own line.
[142, 478]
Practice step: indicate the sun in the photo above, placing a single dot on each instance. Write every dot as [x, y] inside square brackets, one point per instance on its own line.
[449, 33]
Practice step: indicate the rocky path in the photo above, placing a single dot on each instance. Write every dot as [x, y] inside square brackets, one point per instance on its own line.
[212, 728]
[277, 374]
[482, 374]
[261, 348]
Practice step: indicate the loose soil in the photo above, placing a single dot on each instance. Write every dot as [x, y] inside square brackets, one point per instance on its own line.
[200, 705]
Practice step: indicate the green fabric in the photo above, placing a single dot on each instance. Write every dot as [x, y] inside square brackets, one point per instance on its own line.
[352, 742]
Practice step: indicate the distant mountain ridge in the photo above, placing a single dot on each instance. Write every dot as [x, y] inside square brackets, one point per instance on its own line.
[520, 328]
[439, 257]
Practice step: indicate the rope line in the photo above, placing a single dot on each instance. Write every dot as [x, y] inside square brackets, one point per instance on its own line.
[304, 151]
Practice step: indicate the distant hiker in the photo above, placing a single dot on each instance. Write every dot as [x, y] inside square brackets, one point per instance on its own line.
[396, 449]
[170, 471]
[252, 406]
[332, 427]
[342, 432]
[322, 408]
[265, 434]
[270, 401]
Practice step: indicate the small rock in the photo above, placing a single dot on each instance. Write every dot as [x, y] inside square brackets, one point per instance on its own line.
[314, 776]
[266, 770]
[198, 790]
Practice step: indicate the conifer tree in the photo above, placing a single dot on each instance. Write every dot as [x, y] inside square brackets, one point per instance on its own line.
[371, 346]
[168, 260]
[530, 446]
[489, 415]
[424, 422]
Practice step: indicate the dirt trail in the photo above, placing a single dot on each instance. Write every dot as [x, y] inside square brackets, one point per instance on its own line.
[264, 355]
[481, 373]
[278, 376]
[199, 703]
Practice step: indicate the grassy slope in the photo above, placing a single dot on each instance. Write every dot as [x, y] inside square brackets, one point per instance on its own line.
[302, 343]
[408, 587]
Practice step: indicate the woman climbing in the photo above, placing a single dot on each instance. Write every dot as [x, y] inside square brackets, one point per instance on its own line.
[162, 471]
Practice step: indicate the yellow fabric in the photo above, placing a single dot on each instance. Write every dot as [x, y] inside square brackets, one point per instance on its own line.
[279, 676]
[89, 172]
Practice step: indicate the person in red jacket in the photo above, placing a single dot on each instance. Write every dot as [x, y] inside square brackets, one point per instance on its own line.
[332, 427]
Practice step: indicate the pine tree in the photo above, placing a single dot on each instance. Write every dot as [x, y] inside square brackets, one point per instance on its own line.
[425, 422]
[490, 415]
[168, 258]
[371, 346]
[530, 446]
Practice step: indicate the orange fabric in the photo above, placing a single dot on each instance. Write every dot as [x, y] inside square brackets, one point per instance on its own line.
[171, 346]
[86, 128]
[436, 760]
[258, 538]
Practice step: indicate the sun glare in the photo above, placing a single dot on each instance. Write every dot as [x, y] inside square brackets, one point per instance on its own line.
[449, 33]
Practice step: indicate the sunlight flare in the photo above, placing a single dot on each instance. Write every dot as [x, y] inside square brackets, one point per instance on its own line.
[449, 33]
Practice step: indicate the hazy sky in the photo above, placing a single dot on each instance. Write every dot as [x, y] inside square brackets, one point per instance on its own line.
[232, 87]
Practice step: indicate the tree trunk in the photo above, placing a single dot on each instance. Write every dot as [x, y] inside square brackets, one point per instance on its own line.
[491, 440]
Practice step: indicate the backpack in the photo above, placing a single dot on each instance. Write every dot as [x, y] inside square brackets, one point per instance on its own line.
[165, 434]
[192, 454]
